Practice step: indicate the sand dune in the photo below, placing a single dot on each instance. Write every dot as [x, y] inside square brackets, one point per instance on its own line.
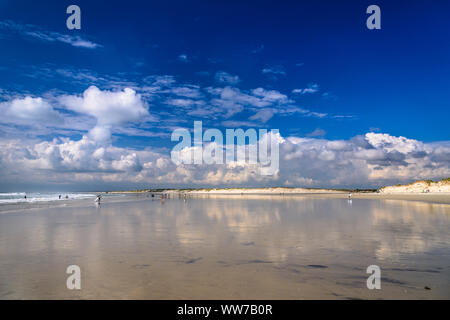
[424, 186]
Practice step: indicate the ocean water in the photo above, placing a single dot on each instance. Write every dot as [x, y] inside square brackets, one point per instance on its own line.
[19, 197]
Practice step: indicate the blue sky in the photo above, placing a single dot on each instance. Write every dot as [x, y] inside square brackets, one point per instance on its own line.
[310, 68]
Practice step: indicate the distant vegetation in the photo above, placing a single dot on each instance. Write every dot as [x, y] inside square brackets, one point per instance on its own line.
[242, 188]
[429, 182]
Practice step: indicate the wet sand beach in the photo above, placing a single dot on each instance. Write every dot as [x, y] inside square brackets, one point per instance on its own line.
[228, 247]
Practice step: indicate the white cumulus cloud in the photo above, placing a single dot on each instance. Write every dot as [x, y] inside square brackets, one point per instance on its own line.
[28, 110]
[109, 108]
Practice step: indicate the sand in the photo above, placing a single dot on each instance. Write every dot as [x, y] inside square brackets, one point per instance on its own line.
[430, 197]
[216, 246]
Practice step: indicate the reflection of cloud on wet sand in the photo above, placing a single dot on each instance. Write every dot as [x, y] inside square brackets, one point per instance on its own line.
[297, 225]
[409, 227]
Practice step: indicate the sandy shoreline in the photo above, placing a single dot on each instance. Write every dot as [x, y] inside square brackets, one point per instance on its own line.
[257, 193]
[430, 197]
[275, 190]
[443, 198]
[437, 197]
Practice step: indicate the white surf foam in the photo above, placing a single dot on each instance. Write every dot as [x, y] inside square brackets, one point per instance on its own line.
[19, 197]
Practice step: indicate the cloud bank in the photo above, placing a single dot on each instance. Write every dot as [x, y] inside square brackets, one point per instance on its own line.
[368, 160]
